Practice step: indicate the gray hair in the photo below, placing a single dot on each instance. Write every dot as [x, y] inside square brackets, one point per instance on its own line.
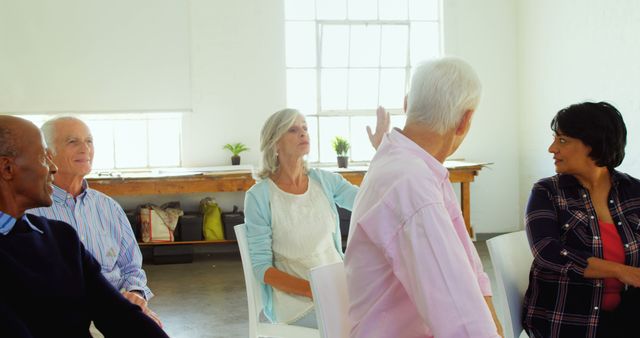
[275, 127]
[442, 90]
[49, 130]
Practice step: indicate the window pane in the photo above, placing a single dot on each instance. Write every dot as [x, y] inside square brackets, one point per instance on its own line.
[102, 132]
[301, 90]
[394, 46]
[363, 9]
[397, 121]
[361, 149]
[299, 9]
[164, 143]
[312, 126]
[301, 44]
[425, 41]
[130, 144]
[331, 127]
[335, 45]
[392, 88]
[393, 9]
[334, 89]
[363, 88]
[331, 9]
[365, 46]
[423, 9]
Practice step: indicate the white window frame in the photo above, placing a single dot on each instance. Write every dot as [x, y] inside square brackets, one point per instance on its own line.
[319, 67]
[319, 23]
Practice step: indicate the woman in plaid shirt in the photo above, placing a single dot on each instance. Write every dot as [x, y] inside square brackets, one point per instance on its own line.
[584, 230]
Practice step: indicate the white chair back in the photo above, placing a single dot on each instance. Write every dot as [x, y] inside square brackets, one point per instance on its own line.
[329, 287]
[511, 258]
[254, 300]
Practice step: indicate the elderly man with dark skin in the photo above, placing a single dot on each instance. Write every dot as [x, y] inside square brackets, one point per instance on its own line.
[50, 286]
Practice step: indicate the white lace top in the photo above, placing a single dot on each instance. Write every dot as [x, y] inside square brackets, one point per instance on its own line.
[303, 227]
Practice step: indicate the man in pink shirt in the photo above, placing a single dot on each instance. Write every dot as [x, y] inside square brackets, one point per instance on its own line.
[412, 270]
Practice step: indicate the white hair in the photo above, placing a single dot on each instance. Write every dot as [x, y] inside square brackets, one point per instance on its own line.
[49, 130]
[442, 90]
[274, 128]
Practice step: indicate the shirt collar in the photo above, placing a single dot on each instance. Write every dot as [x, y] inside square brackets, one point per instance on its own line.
[7, 222]
[399, 139]
[619, 177]
[60, 195]
[566, 180]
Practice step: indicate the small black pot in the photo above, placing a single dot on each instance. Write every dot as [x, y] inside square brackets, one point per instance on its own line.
[343, 161]
[235, 160]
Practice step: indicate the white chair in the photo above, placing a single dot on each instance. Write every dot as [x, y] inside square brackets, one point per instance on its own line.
[254, 300]
[329, 287]
[511, 258]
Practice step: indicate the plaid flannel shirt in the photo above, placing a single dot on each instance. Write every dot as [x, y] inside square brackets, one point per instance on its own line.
[563, 232]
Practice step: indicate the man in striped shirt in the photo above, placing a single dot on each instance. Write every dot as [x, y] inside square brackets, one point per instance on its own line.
[99, 220]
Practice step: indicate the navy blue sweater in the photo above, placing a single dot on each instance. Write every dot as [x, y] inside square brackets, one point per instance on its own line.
[50, 286]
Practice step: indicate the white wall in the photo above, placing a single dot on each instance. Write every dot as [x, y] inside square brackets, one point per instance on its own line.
[93, 55]
[483, 32]
[571, 51]
[238, 72]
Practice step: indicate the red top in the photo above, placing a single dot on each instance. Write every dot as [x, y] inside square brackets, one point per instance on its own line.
[613, 251]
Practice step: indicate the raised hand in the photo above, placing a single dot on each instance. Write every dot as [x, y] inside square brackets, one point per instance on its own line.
[383, 122]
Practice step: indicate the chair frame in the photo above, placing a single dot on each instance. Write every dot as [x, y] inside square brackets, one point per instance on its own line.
[254, 300]
[511, 270]
[331, 304]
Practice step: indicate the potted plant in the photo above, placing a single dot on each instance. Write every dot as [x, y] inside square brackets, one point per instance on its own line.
[341, 147]
[235, 149]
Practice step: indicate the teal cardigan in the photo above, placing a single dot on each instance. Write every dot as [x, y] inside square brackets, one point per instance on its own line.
[257, 213]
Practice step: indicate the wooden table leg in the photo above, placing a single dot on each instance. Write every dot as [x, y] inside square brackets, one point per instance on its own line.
[465, 205]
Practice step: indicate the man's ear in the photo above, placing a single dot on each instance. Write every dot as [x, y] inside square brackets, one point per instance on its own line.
[7, 168]
[465, 122]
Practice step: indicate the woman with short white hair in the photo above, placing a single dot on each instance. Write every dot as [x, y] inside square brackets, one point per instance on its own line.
[291, 217]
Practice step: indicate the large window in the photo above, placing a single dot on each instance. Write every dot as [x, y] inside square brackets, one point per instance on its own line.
[131, 140]
[346, 57]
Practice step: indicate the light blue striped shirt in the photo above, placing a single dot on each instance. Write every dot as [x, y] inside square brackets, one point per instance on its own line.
[105, 231]
[7, 222]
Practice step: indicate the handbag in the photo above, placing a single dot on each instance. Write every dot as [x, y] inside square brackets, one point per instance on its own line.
[212, 219]
[158, 223]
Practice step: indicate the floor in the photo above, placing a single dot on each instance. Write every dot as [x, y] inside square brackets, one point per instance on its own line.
[207, 298]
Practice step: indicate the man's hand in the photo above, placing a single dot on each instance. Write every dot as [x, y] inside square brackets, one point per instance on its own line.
[383, 122]
[137, 299]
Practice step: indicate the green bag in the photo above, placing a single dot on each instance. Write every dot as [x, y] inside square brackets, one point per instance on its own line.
[212, 220]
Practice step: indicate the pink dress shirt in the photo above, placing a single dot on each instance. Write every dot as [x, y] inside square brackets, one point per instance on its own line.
[412, 270]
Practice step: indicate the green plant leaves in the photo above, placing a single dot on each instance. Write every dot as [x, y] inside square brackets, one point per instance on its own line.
[235, 148]
[341, 146]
